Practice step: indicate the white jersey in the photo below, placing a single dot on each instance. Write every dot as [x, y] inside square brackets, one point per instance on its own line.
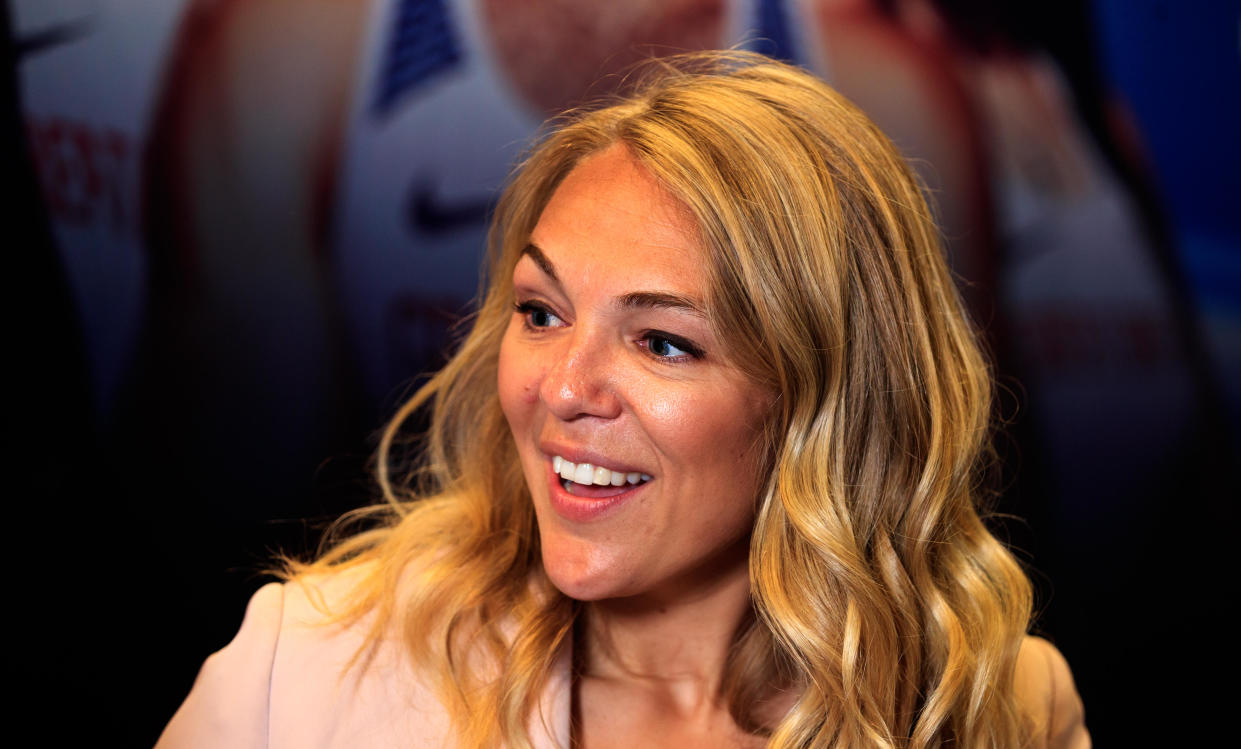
[435, 128]
[89, 73]
[432, 132]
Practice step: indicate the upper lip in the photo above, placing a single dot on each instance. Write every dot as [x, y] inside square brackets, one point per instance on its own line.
[579, 455]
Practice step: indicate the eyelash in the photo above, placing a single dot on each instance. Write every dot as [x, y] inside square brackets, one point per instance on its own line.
[528, 308]
[691, 351]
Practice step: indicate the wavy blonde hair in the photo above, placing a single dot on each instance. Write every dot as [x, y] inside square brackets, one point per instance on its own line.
[880, 597]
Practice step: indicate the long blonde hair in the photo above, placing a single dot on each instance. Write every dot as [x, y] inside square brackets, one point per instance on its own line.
[880, 597]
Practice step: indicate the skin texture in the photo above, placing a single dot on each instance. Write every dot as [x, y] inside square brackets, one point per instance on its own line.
[665, 568]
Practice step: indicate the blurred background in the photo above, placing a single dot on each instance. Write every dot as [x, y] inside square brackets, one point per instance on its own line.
[239, 230]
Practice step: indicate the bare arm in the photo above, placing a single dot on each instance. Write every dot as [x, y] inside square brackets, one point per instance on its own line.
[237, 198]
[917, 100]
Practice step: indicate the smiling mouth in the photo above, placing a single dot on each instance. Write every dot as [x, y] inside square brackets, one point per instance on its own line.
[585, 479]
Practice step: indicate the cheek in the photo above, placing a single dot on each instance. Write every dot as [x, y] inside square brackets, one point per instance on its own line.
[699, 431]
[517, 380]
[715, 440]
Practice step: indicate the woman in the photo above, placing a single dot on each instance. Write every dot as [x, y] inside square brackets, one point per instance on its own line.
[703, 471]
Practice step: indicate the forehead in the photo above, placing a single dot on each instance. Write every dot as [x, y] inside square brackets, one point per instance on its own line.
[609, 215]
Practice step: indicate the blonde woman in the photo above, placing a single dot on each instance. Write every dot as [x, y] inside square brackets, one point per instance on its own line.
[703, 472]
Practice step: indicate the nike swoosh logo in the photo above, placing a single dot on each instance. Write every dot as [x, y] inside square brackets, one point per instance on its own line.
[428, 213]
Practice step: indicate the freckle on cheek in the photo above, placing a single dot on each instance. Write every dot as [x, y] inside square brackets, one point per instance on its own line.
[531, 389]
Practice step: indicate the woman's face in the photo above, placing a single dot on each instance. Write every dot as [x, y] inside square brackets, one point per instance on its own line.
[637, 437]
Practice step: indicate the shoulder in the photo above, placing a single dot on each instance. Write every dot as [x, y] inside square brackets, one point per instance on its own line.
[228, 703]
[1048, 696]
[344, 681]
[297, 675]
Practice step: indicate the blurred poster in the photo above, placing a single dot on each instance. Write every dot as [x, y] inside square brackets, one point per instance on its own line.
[89, 72]
[270, 211]
[447, 97]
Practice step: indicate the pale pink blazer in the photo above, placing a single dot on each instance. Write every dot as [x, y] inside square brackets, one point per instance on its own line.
[282, 683]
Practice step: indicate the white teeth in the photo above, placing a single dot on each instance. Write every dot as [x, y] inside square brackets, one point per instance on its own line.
[587, 474]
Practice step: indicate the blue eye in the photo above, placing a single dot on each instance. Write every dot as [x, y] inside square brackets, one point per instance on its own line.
[538, 316]
[665, 346]
[541, 318]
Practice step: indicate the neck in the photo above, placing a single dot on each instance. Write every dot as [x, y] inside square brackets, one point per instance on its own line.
[678, 638]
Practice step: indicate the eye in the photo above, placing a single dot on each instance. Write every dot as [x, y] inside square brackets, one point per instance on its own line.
[664, 346]
[537, 315]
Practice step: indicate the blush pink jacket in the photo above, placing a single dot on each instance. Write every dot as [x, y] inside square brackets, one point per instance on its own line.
[285, 682]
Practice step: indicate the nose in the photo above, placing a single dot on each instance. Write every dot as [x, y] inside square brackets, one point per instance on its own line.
[579, 381]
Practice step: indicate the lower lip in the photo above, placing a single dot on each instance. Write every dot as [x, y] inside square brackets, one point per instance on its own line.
[585, 509]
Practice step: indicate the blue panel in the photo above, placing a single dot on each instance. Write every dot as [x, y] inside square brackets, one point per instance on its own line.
[772, 26]
[422, 45]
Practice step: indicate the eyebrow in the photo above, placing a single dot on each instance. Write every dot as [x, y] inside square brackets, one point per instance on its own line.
[535, 254]
[660, 300]
[632, 300]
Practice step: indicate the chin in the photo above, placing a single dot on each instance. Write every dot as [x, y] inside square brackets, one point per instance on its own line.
[581, 573]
